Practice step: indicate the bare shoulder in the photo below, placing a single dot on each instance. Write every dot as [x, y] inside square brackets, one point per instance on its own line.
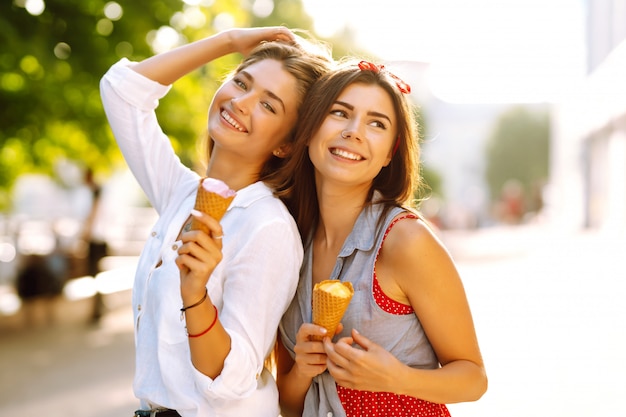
[414, 252]
[410, 236]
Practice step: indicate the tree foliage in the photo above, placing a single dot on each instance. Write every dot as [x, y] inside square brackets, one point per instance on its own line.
[518, 150]
[51, 62]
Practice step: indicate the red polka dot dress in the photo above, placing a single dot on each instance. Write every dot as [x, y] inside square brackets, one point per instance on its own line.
[358, 403]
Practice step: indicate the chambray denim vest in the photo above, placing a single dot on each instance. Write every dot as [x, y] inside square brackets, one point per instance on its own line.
[402, 335]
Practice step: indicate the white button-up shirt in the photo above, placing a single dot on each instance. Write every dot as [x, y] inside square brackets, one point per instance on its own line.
[251, 287]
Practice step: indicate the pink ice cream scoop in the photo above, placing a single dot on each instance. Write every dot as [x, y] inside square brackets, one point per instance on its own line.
[218, 187]
[213, 198]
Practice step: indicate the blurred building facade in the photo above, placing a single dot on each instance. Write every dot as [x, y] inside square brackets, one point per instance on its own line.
[588, 166]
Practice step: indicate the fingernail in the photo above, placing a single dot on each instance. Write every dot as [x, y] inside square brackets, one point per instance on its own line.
[356, 331]
[196, 213]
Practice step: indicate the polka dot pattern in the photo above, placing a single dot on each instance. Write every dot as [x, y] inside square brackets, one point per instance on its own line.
[387, 404]
[387, 304]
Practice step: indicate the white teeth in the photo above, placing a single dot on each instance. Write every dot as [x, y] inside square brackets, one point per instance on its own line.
[232, 121]
[346, 154]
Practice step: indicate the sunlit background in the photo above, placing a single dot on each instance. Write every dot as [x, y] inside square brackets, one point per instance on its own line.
[480, 51]
[523, 120]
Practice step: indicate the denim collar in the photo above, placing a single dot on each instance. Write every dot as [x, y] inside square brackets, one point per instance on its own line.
[363, 233]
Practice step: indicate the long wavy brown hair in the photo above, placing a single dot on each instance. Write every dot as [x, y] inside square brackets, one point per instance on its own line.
[294, 183]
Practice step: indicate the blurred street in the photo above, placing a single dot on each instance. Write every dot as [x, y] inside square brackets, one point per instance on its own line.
[548, 308]
[551, 321]
[70, 368]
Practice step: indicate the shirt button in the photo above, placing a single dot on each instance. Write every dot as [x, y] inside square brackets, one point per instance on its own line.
[153, 234]
[330, 414]
[139, 307]
[174, 246]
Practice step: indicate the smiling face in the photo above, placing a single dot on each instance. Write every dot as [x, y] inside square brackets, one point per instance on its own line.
[253, 112]
[365, 114]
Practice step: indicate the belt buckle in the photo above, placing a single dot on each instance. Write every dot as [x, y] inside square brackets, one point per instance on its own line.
[155, 411]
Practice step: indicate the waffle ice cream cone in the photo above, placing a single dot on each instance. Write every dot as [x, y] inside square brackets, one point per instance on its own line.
[213, 198]
[330, 301]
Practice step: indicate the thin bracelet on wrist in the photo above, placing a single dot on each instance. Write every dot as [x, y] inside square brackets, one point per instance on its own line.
[184, 309]
[208, 328]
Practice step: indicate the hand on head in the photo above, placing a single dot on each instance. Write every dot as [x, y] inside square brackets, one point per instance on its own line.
[244, 40]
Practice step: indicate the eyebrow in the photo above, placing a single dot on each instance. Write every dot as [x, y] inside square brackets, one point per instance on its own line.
[369, 113]
[268, 92]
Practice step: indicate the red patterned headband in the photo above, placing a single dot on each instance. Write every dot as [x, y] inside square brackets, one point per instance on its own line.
[368, 66]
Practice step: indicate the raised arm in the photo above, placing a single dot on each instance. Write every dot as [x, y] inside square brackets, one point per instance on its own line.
[167, 67]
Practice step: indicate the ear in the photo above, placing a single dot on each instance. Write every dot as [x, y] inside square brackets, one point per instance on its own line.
[283, 150]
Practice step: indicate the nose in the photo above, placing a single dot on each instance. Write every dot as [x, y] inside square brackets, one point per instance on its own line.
[241, 104]
[352, 132]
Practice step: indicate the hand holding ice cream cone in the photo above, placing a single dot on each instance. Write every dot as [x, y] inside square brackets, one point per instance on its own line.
[330, 301]
[213, 198]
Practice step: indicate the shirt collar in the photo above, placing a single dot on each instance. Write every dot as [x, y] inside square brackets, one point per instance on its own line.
[251, 193]
[362, 236]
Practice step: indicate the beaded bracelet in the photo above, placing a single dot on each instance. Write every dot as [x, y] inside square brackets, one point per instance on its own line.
[208, 328]
[182, 310]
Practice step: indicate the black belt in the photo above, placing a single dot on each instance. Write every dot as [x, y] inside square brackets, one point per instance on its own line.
[156, 413]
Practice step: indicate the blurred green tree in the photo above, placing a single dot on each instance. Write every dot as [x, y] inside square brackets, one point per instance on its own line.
[52, 58]
[518, 152]
[55, 52]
